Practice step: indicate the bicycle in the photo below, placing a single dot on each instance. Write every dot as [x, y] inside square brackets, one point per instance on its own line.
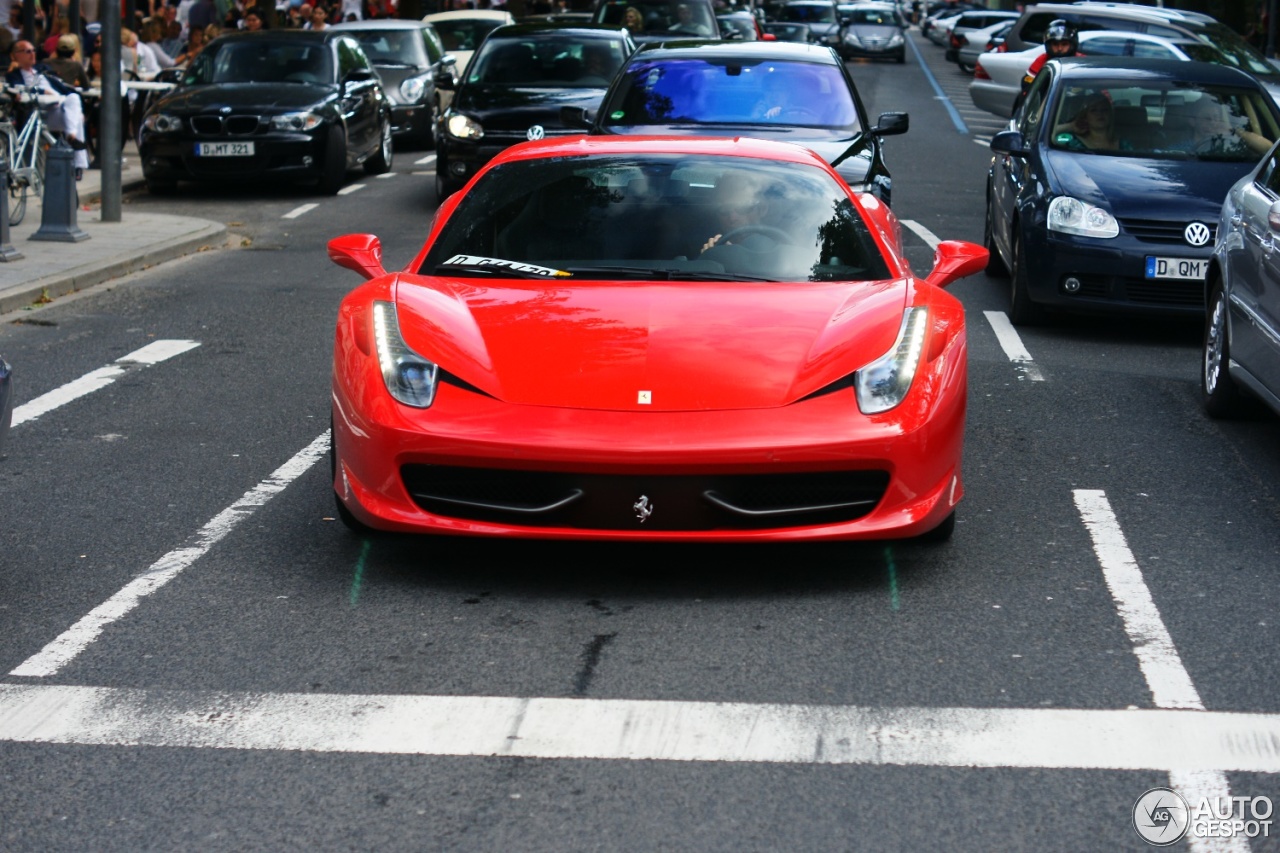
[25, 150]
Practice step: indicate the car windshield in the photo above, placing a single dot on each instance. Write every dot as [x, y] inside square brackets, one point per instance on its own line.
[1165, 121]
[732, 92]
[863, 16]
[1237, 51]
[547, 61]
[808, 13]
[658, 16]
[261, 61]
[393, 47]
[657, 216]
[464, 33]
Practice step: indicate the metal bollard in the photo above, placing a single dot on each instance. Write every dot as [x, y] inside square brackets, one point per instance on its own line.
[7, 250]
[58, 215]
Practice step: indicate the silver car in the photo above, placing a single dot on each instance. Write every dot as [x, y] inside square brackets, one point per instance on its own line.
[1242, 323]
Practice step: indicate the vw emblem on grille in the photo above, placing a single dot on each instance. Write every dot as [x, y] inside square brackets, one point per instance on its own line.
[643, 508]
[536, 132]
[1197, 233]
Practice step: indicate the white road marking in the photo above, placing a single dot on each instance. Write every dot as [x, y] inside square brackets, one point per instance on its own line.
[430, 158]
[1167, 679]
[642, 730]
[63, 649]
[350, 188]
[1012, 345]
[299, 210]
[385, 175]
[923, 233]
[95, 380]
[984, 141]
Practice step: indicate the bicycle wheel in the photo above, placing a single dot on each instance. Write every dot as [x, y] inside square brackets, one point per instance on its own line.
[16, 188]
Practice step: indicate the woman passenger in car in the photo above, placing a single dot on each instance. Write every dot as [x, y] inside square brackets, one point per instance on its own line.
[1092, 129]
[1203, 128]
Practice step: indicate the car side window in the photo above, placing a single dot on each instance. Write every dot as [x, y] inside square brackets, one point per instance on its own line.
[350, 58]
[435, 49]
[1032, 111]
[1270, 175]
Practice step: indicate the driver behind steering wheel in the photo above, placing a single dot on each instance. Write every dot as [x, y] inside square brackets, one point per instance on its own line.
[739, 202]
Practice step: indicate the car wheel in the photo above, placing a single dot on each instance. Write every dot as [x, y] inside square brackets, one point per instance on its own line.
[160, 186]
[966, 67]
[1221, 396]
[334, 170]
[380, 162]
[900, 58]
[941, 533]
[995, 264]
[1022, 311]
[348, 520]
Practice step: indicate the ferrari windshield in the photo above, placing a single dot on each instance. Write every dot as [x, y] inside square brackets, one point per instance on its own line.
[657, 216]
[732, 91]
[1165, 121]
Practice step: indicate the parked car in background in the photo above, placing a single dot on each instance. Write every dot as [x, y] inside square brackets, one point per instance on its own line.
[620, 339]
[1177, 24]
[515, 88]
[790, 92]
[974, 44]
[272, 104]
[1106, 194]
[1242, 323]
[973, 22]
[462, 30]
[872, 31]
[997, 77]
[819, 16]
[661, 19]
[408, 56]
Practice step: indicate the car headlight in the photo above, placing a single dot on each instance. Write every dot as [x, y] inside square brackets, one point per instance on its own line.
[409, 377]
[464, 127]
[852, 38]
[895, 39]
[411, 88]
[296, 121]
[162, 123]
[1073, 216]
[884, 383]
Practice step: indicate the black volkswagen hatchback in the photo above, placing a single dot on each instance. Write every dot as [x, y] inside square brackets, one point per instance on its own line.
[515, 87]
[270, 104]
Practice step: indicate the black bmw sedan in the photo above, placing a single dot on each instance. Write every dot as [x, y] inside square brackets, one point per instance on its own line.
[1105, 194]
[270, 104]
[771, 90]
[515, 87]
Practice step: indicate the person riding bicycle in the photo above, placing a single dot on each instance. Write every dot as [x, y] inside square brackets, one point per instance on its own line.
[63, 111]
[1060, 41]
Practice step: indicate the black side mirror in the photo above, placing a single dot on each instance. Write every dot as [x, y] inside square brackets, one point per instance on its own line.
[360, 75]
[1009, 142]
[446, 74]
[891, 124]
[577, 117]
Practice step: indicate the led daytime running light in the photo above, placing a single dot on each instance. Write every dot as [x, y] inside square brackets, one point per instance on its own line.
[409, 377]
[884, 383]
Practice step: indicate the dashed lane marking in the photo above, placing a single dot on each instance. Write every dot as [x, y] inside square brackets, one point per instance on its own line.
[299, 210]
[1012, 345]
[153, 353]
[923, 233]
[350, 188]
[430, 158]
[63, 649]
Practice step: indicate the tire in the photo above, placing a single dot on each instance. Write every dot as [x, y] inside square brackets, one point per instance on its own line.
[160, 186]
[1022, 311]
[334, 169]
[995, 264]
[941, 533]
[17, 202]
[900, 58]
[966, 67]
[345, 515]
[380, 162]
[1219, 393]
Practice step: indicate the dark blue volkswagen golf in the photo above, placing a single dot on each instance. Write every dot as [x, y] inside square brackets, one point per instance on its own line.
[1105, 193]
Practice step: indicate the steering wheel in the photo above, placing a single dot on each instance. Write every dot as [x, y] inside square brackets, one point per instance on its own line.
[777, 235]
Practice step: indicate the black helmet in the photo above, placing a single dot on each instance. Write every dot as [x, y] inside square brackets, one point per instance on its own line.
[1060, 31]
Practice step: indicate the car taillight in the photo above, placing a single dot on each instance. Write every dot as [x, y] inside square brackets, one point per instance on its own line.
[958, 41]
[1002, 47]
[980, 73]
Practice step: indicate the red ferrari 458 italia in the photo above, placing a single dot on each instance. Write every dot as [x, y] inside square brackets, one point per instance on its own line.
[653, 338]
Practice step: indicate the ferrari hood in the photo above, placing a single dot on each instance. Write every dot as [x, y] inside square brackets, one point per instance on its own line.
[674, 346]
[1151, 189]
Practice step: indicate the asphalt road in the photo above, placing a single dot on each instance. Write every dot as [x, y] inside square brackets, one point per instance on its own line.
[187, 504]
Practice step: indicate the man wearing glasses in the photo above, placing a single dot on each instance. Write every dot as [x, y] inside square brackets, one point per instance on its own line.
[63, 111]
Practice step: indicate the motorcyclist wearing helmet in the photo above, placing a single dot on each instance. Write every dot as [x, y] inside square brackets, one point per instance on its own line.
[1060, 41]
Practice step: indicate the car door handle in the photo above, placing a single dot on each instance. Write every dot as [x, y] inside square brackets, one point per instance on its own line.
[1268, 245]
[1236, 219]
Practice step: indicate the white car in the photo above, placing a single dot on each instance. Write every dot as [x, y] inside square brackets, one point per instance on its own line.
[997, 77]
[464, 29]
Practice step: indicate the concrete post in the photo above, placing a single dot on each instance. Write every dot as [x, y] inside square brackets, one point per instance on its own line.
[58, 211]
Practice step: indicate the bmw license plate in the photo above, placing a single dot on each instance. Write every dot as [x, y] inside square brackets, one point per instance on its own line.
[224, 149]
[1182, 268]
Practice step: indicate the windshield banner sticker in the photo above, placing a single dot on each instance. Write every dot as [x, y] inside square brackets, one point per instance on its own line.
[481, 261]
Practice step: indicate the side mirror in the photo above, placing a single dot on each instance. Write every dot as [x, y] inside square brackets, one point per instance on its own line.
[446, 75]
[360, 75]
[952, 260]
[360, 253]
[1009, 142]
[578, 117]
[891, 124]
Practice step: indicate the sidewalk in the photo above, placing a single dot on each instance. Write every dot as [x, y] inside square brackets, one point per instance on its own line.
[48, 270]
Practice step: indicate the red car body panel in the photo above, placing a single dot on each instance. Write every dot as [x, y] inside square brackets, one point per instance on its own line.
[743, 377]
